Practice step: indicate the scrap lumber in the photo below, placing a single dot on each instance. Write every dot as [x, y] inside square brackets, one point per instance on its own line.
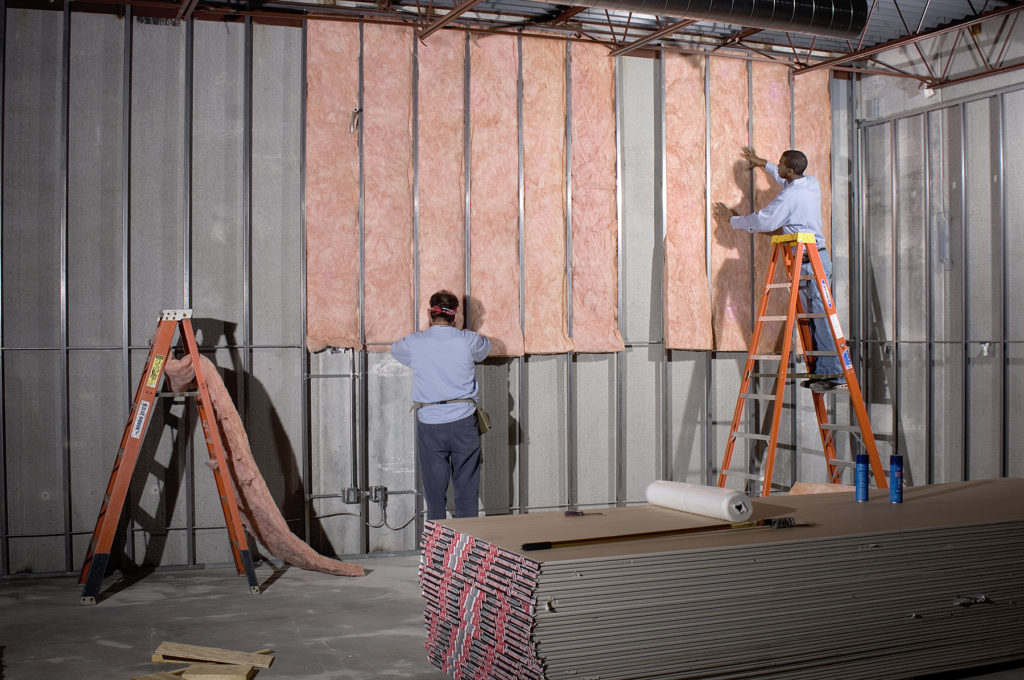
[216, 671]
[161, 675]
[174, 652]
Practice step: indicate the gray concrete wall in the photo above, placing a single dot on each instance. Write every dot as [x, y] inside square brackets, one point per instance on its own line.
[183, 188]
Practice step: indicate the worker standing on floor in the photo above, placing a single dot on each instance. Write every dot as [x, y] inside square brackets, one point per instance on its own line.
[443, 390]
[796, 209]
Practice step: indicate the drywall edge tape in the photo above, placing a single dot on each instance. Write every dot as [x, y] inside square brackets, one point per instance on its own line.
[710, 501]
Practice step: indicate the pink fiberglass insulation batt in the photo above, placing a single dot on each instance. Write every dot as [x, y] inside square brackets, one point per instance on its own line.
[730, 180]
[332, 186]
[771, 137]
[812, 116]
[442, 163]
[687, 294]
[494, 190]
[595, 283]
[260, 513]
[388, 174]
[545, 324]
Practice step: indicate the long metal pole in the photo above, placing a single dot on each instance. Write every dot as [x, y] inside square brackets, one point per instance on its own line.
[1004, 434]
[360, 407]
[5, 565]
[186, 276]
[620, 359]
[571, 444]
[964, 299]
[665, 412]
[709, 449]
[929, 418]
[63, 143]
[305, 406]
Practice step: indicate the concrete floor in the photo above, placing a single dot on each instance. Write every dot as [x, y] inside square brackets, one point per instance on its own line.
[320, 627]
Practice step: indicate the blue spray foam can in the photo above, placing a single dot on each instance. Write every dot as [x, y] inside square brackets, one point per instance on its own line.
[895, 479]
[861, 477]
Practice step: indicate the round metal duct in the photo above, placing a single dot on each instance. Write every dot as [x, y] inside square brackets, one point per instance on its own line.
[834, 18]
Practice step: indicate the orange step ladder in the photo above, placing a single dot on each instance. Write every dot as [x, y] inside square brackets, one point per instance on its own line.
[95, 565]
[792, 249]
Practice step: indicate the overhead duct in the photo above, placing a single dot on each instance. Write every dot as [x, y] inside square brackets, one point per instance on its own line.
[834, 18]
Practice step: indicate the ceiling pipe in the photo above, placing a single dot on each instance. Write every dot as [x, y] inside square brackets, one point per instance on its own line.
[833, 18]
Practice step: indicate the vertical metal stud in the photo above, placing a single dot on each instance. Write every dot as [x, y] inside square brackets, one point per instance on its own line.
[1004, 434]
[417, 498]
[620, 360]
[186, 278]
[929, 417]
[965, 471]
[361, 403]
[571, 450]
[247, 240]
[305, 404]
[709, 449]
[65, 388]
[664, 358]
[894, 225]
[5, 565]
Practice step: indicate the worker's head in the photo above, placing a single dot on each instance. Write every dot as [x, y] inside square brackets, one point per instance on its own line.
[443, 306]
[793, 161]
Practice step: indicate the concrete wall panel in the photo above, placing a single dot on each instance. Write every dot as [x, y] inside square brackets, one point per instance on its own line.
[33, 443]
[33, 182]
[157, 175]
[596, 428]
[277, 185]
[95, 171]
[217, 191]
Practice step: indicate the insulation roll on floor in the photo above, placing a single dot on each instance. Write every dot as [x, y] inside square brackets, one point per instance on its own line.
[709, 501]
[850, 591]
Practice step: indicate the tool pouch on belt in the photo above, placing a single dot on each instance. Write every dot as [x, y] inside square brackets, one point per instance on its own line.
[483, 421]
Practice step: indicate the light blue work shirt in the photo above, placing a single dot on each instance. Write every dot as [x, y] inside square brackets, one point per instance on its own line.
[796, 209]
[442, 359]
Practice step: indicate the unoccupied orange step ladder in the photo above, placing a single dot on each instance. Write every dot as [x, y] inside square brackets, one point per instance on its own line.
[793, 249]
[98, 555]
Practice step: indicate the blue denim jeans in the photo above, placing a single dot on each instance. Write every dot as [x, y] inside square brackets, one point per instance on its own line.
[821, 334]
[450, 452]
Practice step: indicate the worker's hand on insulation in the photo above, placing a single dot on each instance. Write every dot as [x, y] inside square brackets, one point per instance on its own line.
[750, 156]
[723, 212]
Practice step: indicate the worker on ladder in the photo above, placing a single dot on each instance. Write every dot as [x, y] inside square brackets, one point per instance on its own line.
[796, 209]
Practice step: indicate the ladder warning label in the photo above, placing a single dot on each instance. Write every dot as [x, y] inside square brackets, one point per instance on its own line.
[836, 328]
[140, 420]
[828, 294]
[846, 359]
[154, 371]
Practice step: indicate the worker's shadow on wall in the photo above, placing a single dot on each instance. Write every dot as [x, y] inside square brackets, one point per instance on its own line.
[269, 443]
[500, 444]
[731, 287]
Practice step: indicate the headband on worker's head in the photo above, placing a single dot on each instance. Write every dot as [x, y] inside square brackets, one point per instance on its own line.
[438, 310]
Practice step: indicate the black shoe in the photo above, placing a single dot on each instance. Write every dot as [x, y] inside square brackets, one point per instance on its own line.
[823, 386]
[816, 384]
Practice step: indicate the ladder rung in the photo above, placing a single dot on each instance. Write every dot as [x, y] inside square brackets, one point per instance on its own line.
[772, 318]
[843, 463]
[752, 435]
[811, 315]
[754, 395]
[193, 393]
[779, 285]
[840, 428]
[766, 357]
[819, 353]
[745, 475]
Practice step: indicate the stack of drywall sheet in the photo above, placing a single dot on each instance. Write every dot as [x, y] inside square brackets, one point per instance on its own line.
[855, 590]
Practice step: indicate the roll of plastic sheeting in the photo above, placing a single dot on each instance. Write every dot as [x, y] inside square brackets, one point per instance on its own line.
[711, 501]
